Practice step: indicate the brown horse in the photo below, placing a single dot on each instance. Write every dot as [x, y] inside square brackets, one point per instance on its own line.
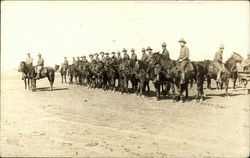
[25, 69]
[48, 72]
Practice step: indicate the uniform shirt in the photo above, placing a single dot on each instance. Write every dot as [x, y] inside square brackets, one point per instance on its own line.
[144, 57]
[184, 53]
[119, 57]
[97, 59]
[149, 56]
[40, 62]
[165, 53]
[66, 62]
[29, 61]
[125, 56]
[133, 56]
[218, 56]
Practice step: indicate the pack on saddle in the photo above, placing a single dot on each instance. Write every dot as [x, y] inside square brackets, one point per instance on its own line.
[42, 73]
[189, 68]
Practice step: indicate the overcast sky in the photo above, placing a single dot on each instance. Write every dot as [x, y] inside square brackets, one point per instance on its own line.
[64, 28]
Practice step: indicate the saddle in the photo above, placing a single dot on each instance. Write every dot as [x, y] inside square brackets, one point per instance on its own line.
[43, 71]
[189, 67]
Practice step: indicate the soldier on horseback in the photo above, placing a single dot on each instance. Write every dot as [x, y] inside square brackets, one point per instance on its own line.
[29, 63]
[218, 62]
[183, 59]
[165, 52]
[102, 57]
[144, 55]
[73, 60]
[150, 53]
[40, 65]
[113, 57]
[246, 63]
[64, 64]
[119, 57]
[91, 57]
[97, 57]
[125, 55]
[133, 55]
[84, 59]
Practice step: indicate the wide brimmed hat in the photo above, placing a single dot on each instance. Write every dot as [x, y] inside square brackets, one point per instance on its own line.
[132, 49]
[124, 50]
[112, 52]
[149, 48]
[118, 52]
[96, 54]
[222, 46]
[90, 54]
[39, 54]
[143, 50]
[182, 40]
[164, 44]
[84, 56]
[101, 52]
[106, 53]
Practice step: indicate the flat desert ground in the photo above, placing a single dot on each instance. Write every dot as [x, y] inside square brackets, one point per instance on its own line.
[73, 121]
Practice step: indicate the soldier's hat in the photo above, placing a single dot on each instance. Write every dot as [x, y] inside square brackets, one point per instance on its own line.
[39, 54]
[132, 49]
[149, 48]
[118, 52]
[124, 50]
[84, 56]
[96, 54]
[222, 46]
[106, 53]
[101, 52]
[182, 40]
[164, 44]
[143, 50]
[90, 55]
[81, 56]
[113, 52]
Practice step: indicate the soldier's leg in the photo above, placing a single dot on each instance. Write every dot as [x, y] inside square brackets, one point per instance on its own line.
[183, 66]
[219, 70]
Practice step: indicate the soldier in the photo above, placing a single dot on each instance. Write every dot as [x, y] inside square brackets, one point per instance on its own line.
[40, 65]
[113, 55]
[133, 55]
[97, 57]
[119, 57]
[102, 57]
[84, 59]
[29, 61]
[218, 62]
[144, 55]
[149, 49]
[77, 61]
[73, 60]
[91, 57]
[165, 52]
[65, 64]
[183, 59]
[107, 55]
[125, 55]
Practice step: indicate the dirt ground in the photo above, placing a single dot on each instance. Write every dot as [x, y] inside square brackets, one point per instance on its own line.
[74, 121]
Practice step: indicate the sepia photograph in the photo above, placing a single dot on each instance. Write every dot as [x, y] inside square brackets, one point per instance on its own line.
[155, 79]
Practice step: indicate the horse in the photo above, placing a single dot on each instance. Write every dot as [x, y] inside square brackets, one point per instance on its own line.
[194, 71]
[125, 74]
[48, 72]
[159, 73]
[25, 69]
[133, 78]
[142, 76]
[112, 71]
[63, 71]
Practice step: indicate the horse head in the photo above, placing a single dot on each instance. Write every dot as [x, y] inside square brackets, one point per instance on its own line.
[56, 67]
[22, 66]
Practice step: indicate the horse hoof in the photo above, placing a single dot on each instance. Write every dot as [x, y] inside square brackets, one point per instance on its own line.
[195, 100]
[201, 100]
[173, 101]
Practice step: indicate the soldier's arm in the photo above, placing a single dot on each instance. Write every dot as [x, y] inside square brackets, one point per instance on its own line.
[187, 53]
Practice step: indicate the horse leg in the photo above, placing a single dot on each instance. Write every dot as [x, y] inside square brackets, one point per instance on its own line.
[209, 83]
[157, 88]
[62, 77]
[226, 87]
[25, 84]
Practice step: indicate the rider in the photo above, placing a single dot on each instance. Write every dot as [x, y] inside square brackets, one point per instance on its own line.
[65, 64]
[119, 57]
[218, 62]
[150, 53]
[91, 57]
[165, 52]
[40, 65]
[77, 61]
[29, 60]
[97, 57]
[102, 57]
[183, 58]
[133, 55]
[144, 55]
[73, 60]
[107, 56]
[84, 59]
[125, 55]
[246, 63]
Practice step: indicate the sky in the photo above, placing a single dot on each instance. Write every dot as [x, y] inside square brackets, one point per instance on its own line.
[63, 28]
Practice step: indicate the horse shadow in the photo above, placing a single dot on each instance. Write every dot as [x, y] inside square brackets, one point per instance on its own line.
[48, 89]
[223, 95]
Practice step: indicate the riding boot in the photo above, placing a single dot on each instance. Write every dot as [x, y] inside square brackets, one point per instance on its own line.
[182, 77]
[218, 76]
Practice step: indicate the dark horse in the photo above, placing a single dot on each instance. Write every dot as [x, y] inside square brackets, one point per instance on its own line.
[112, 71]
[25, 69]
[125, 74]
[141, 68]
[48, 72]
[159, 72]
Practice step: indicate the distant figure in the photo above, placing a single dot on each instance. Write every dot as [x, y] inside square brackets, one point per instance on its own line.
[144, 55]
[85, 59]
[119, 57]
[91, 57]
[125, 55]
[73, 60]
[65, 64]
[165, 52]
[133, 55]
[102, 57]
[150, 54]
[218, 62]
[97, 57]
[246, 63]
[183, 59]
[40, 65]
[29, 60]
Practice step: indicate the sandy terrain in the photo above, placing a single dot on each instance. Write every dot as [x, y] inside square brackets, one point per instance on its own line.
[74, 121]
